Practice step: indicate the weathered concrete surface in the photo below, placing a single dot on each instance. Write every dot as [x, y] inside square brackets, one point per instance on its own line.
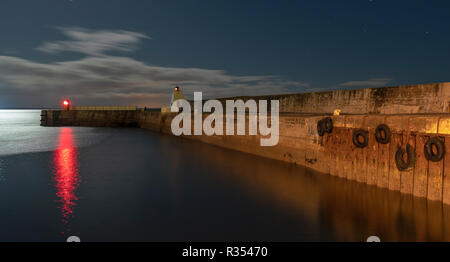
[412, 99]
[95, 118]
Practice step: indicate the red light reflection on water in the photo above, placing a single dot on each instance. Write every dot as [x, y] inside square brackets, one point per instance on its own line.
[66, 174]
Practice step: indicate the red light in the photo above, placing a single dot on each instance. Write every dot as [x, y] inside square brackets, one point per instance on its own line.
[66, 104]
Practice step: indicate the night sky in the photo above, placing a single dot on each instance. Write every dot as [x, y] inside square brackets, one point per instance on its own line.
[133, 52]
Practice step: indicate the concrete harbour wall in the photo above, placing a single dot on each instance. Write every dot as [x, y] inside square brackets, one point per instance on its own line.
[408, 99]
[413, 114]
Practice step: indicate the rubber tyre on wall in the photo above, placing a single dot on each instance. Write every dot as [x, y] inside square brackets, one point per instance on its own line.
[357, 134]
[387, 134]
[428, 149]
[328, 124]
[320, 128]
[411, 156]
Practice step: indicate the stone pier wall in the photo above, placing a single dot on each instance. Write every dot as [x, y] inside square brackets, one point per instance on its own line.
[414, 114]
[408, 99]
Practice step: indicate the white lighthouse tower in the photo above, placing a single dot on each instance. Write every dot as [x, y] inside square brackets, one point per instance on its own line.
[176, 96]
[175, 101]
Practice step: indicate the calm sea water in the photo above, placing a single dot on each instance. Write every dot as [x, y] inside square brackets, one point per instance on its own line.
[132, 185]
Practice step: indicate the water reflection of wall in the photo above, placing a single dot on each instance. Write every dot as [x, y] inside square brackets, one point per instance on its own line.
[348, 210]
[66, 175]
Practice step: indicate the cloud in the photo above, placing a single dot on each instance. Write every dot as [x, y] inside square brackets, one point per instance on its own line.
[102, 79]
[373, 82]
[122, 80]
[93, 42]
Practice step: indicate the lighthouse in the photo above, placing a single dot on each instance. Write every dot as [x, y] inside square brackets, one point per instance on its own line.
[176, 95]
[175, 101]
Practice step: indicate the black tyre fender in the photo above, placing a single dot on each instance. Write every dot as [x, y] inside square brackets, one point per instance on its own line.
[379, 134]
[360, 133]
[328, 124]
[411, 158]
[320, 128]
[428, 149]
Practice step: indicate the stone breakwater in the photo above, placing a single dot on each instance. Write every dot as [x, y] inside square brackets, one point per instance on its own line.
[406, 162]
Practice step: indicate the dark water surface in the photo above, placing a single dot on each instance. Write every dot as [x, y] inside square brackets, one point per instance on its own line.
[132, 185]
